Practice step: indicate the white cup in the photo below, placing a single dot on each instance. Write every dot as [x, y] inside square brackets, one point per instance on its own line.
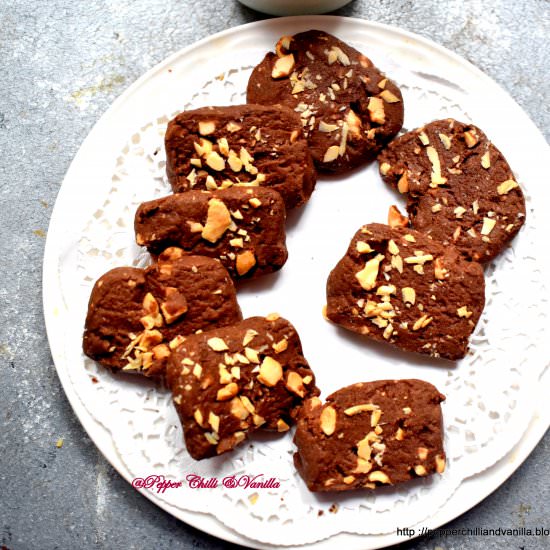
[294, 7]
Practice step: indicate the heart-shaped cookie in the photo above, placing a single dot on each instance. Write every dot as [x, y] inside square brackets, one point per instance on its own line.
[137, 316]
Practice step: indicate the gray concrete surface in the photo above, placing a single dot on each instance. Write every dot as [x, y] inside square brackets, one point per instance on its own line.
[61, 65]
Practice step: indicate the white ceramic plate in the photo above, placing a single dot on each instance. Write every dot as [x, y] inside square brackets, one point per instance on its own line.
[492, 421]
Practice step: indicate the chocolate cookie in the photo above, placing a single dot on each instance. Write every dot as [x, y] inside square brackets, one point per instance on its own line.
[370, 434]
[348, 108]
[232, 381]
[399, 286]
[137, 316]
[245, 145]
[243, 227]
[460, 188]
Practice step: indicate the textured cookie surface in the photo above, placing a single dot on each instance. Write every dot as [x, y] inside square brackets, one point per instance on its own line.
[137, 316]
[231, 381]
[348, 108]
[460, 187]
[370, 434]
[218, 147]
[243, 227]
[399, 286]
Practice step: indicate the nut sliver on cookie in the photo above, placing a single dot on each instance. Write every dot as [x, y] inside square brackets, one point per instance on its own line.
[229, 382]
[397, 285]
[370, 434]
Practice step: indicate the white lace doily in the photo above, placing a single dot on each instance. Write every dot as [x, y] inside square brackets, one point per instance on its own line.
[489, 393]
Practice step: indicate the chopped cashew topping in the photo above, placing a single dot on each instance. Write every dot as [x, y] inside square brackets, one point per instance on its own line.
[357, 409]
[207, 127]
[283, 66]
[379, 476]
[409, 295]
[215, 162]
[445, 140]
[328, 420]
[227, 392]
[437, 178]
[463, 312]
[331, 153]
[218, 220]
[245, 262]
[384, 168]
[470, 138]
[488, 225]
[271, 372]
[376, 110]
[424, 139]
[403, 183]
[367, 276]
[325, 127]
[395, 218]
[388, 97]
[217, 344]
[424, 321]
[506, 186]
[363, 247]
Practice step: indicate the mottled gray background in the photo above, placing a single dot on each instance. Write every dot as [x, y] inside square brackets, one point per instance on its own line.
[62, 63]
